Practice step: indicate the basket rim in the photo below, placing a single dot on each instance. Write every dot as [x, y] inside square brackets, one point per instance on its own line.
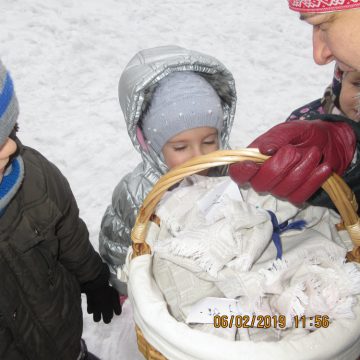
[152, 317]
[341, 195]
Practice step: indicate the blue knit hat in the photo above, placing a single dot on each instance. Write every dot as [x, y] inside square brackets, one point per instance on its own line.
[182, 100]
[9, 108]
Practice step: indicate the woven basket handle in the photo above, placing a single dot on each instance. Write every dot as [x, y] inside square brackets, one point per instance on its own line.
[341, 195]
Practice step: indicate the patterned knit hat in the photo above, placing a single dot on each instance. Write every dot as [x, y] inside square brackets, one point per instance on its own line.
[9, 108]
[322, 6]
[182, 100]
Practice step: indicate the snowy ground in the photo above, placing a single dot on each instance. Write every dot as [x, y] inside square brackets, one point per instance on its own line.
[66, 57]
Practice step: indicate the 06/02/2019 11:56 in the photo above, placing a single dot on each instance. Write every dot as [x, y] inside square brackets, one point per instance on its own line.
[267, 321]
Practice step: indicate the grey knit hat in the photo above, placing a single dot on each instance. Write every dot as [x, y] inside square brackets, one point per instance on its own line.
[9, 108]
[182, 100]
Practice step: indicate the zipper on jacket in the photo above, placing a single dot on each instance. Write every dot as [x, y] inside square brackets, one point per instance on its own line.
[51, 276]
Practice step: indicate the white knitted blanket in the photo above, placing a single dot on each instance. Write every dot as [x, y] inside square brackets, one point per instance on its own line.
[216, 241]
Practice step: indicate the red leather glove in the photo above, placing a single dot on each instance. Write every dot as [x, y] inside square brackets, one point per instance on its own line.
[304, 154]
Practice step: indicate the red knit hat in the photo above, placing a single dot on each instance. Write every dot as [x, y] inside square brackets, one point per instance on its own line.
[322, 6]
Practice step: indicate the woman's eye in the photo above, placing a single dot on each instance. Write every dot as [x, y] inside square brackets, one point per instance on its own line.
[321, 26]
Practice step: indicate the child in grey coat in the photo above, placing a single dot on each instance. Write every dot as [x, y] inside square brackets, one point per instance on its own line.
[177, 104]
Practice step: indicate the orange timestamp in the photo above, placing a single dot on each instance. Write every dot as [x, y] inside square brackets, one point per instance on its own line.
[268, 321]
[250, 321]
[317, 321]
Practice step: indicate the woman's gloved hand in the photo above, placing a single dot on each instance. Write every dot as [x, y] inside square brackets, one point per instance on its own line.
[102, 299]
[304, 154]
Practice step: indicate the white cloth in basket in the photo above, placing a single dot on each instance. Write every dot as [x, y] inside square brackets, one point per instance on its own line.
[215, 241]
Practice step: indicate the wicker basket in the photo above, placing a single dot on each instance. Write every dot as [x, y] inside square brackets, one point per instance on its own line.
[338, 191]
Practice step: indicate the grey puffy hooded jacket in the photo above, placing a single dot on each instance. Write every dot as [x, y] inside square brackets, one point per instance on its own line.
[143, 71]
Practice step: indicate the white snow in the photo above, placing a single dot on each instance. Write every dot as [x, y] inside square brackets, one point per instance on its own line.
[66, 57]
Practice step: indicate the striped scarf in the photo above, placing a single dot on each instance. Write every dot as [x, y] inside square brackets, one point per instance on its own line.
[11, 182]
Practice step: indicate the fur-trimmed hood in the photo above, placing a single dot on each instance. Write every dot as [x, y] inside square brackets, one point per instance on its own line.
[148, 67]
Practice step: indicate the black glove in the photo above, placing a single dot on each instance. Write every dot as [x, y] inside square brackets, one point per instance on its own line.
[102, 299]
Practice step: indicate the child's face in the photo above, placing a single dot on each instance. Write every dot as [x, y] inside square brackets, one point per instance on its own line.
[6, 151]
[190, 143]
[350, 95]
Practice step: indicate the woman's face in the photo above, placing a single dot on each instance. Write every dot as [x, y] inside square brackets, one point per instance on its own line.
[350, 95]
[336, 36]
[188, 144]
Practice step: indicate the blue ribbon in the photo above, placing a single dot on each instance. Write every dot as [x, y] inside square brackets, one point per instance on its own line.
[280, 228]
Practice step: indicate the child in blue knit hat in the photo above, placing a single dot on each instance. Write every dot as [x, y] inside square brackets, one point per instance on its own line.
[177, 104]
[46, 258]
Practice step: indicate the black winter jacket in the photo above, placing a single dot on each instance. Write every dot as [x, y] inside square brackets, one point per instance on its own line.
[45, 255]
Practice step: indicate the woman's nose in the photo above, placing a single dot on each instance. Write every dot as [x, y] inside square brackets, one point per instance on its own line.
[321, 52]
